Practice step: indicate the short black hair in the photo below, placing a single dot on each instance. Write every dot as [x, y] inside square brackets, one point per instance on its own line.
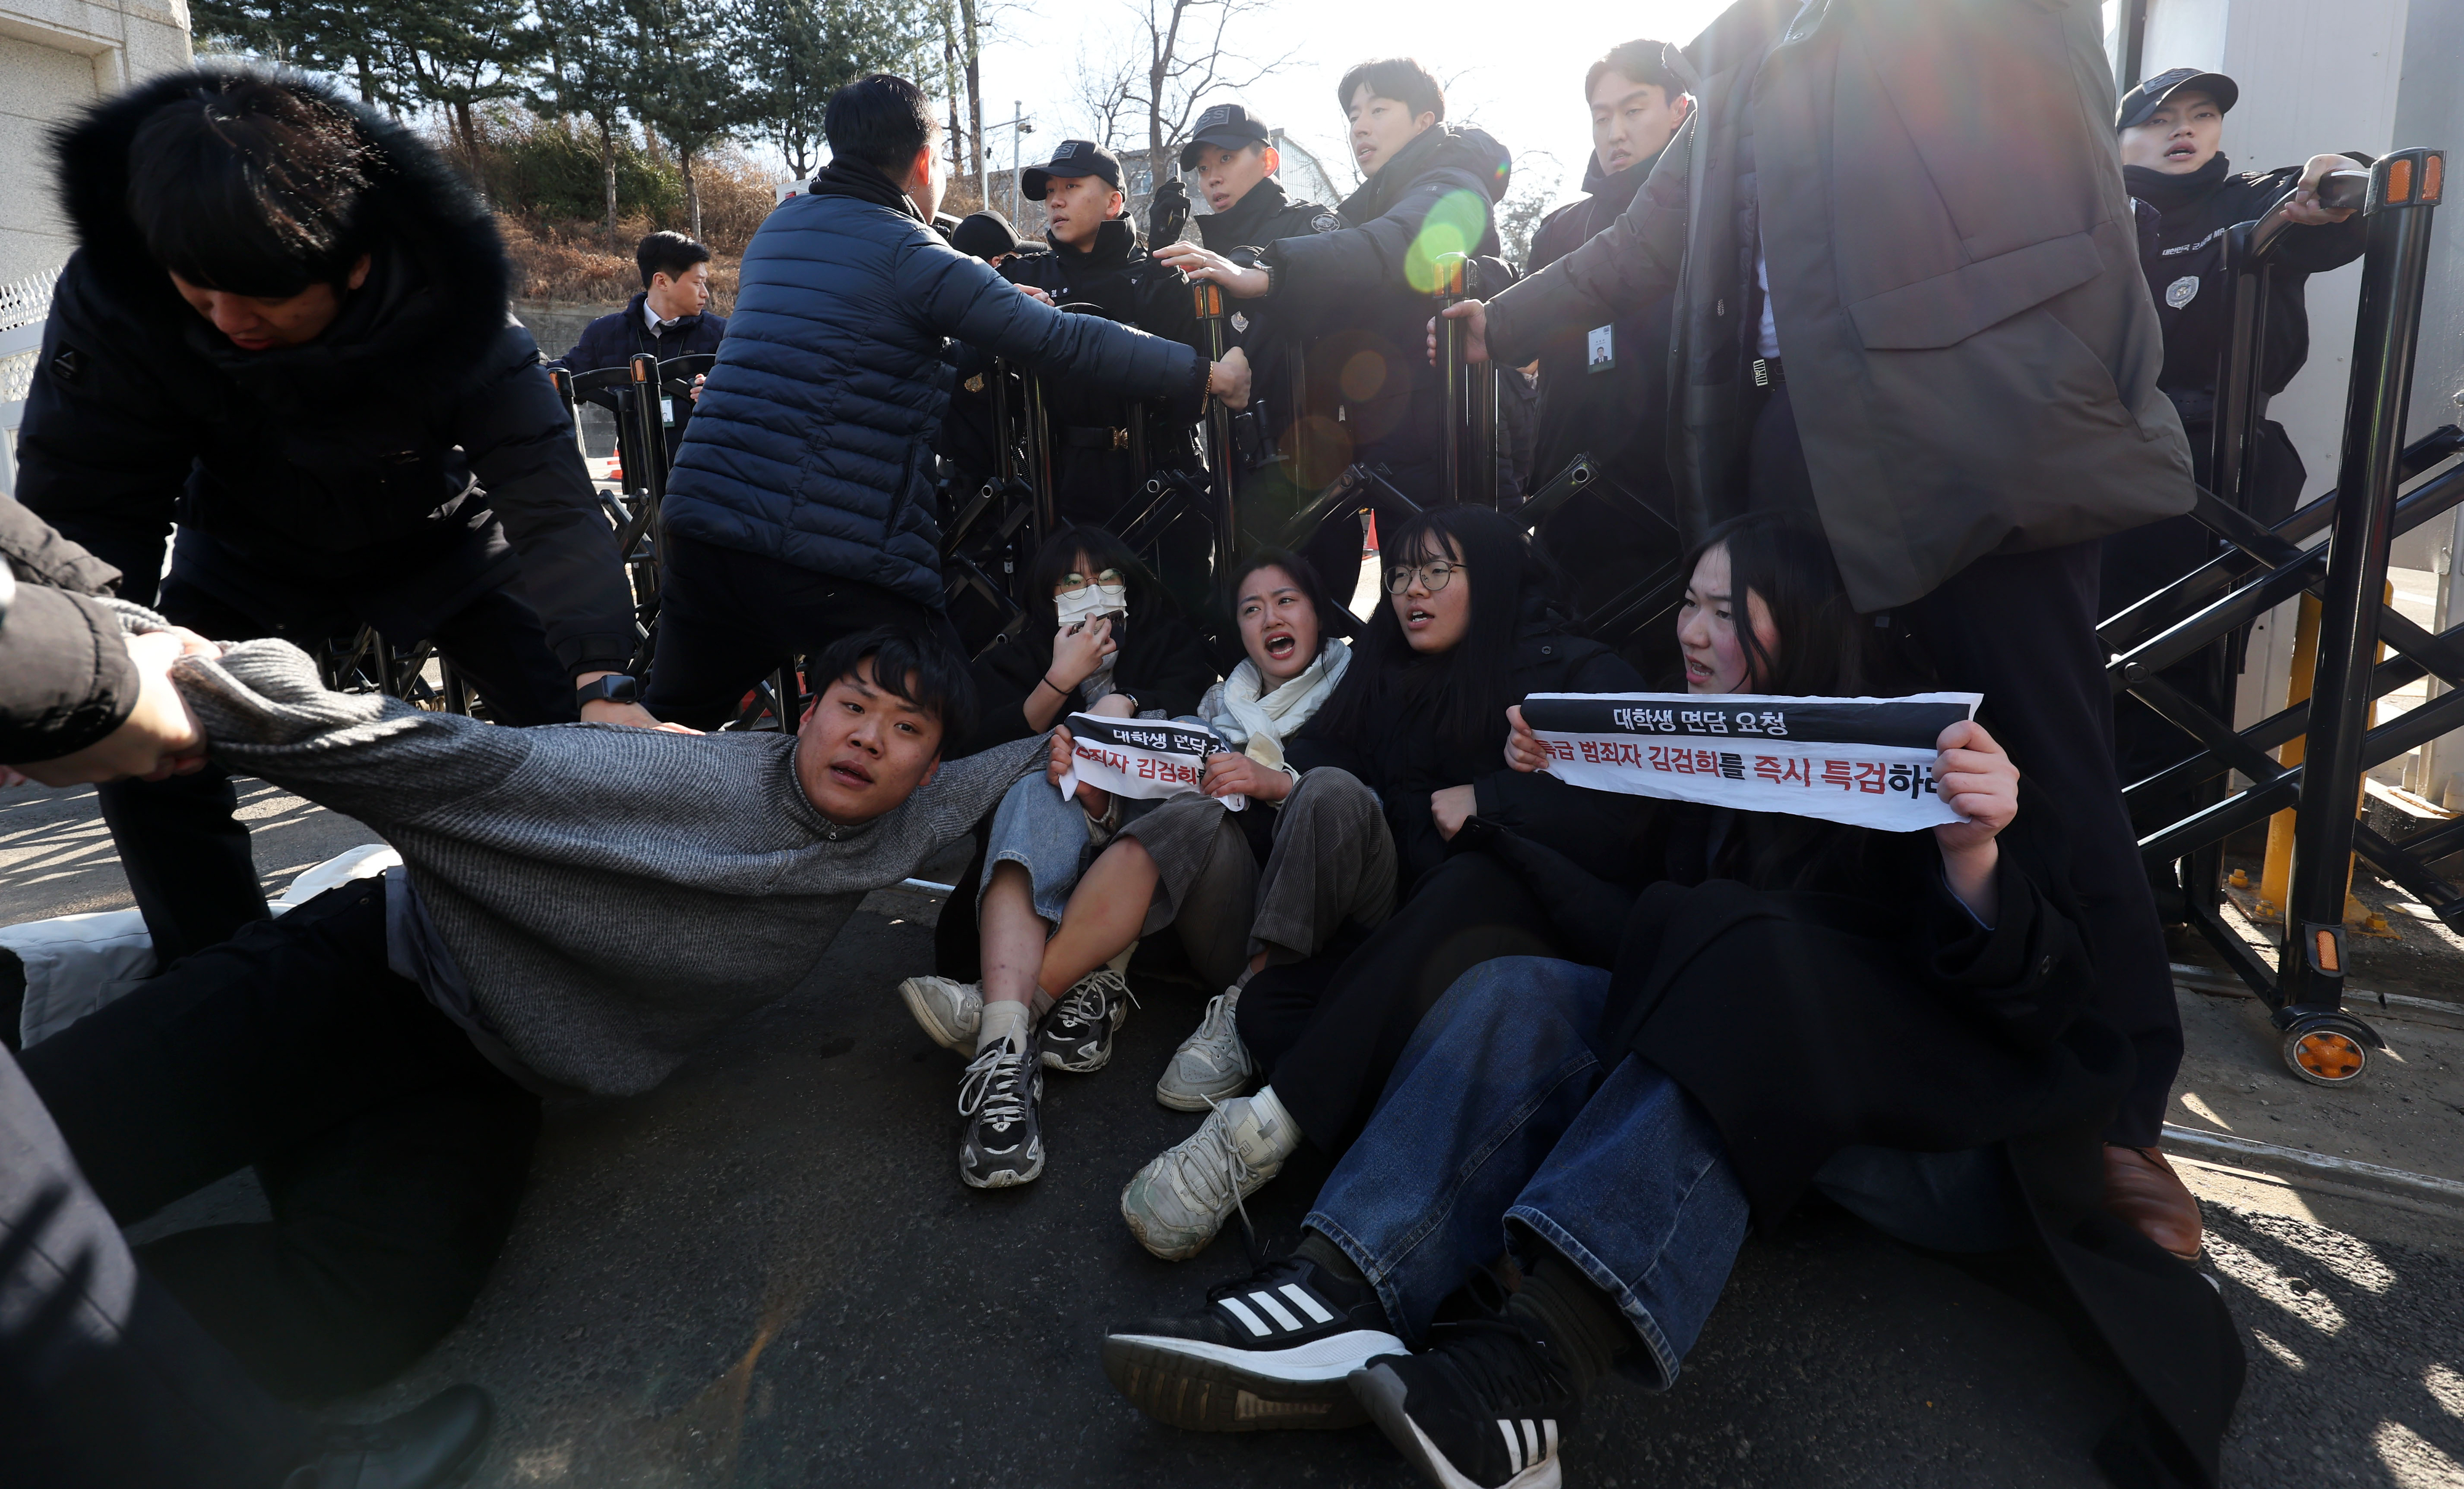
[882, 120]
[1644, 62]
[1303, 572]
[1401, 78]
[251, 184]
[1053, 559]
[671, 253]
[909, 663]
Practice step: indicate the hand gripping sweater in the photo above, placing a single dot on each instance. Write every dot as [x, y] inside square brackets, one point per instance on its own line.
[611, 896]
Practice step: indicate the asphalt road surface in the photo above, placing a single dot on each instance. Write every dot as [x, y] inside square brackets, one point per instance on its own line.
[766, 1273]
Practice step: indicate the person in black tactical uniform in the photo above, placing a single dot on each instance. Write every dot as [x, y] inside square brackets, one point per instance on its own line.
[2170, 128]
[1231, 156]
[1602, 389]
[285, 327]
[1097, 260]
[1354, 286]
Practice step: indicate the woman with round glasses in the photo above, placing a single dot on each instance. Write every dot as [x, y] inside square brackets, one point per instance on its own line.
[1468, 628]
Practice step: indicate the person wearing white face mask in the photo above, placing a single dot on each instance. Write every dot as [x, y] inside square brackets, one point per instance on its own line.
[1117, 646]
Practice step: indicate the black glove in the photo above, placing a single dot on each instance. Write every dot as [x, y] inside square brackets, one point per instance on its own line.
[1167, 214]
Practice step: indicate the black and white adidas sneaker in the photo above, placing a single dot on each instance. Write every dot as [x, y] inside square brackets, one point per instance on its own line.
[1479, 1409]
[1270, 1352]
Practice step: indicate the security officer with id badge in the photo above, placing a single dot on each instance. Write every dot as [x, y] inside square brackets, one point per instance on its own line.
[1232, 159]
[2171, 133]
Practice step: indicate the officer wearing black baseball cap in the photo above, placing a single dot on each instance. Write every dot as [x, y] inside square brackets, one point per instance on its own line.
[1074, 158]
[2153, 93]
[2170, 130]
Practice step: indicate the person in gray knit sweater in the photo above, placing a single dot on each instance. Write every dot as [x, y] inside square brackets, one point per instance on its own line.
[581, 907]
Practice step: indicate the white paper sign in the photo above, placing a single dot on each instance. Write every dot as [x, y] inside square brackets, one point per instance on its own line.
[1865, 761]
[1141, 757]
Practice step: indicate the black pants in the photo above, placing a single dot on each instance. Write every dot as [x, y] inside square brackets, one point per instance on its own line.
[2020, 629]
[728, 619]
[105, 1382]
[392, 1152]
[187, 856]
[1328, 1031]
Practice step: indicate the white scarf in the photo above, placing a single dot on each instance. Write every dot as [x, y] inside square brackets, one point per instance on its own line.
[1257, 725]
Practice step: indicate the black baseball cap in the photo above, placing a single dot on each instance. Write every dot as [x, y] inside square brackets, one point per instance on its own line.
[1227, 126]
[984, 236]
[1074, 158]
[2152, 92]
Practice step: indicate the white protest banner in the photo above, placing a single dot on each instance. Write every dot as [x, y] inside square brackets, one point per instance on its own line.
[1865, 761]
[1140, 756]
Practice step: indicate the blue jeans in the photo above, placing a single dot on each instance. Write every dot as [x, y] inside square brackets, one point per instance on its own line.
[1046, 834]
[1505, 1124]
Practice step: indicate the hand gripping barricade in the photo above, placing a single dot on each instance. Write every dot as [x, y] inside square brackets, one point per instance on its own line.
[2322, 1042]
[644, 394]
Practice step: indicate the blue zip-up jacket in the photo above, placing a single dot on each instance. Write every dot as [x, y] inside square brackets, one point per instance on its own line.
[813, 440]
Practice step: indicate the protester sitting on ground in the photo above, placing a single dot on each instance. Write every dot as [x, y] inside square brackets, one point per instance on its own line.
[1898, 1022]
[2170, 131]
[669, 319]
[1353, 289]
[1308, 854]
[1089, 590]
[581, 910]
[106, 1382]
[285, 327]
[802, 507]
[1467, 631]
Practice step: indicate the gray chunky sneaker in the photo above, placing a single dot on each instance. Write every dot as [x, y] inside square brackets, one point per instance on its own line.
[1005, 1141]
[950, 1010]
[1078, 1031]
[1176, 1203]
[1212, 1063]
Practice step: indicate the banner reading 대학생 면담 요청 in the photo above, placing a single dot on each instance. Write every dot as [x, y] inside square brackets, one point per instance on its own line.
[1865, 761]
[1141, 757]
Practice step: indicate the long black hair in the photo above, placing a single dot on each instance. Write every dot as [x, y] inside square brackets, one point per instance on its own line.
[1826, 648]
[1470, 685]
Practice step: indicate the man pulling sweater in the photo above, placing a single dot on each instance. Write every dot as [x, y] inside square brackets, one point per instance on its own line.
[581, 907]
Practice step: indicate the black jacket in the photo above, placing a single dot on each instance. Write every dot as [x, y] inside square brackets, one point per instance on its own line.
[1272, 339]
[1616, 412]
[611, 341]
[348, 467]
[1404, 760]
[1355, 288]
[1162, 663]
[65, 677]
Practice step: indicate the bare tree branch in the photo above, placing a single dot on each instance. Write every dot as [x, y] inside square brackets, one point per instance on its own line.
[1182, 74]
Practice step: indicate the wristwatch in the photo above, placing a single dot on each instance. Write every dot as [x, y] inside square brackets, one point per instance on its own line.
[614, 687]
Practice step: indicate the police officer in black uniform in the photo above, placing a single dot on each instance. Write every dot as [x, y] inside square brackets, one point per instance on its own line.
[1232, 158]
[1097, 261]
[2171, 129]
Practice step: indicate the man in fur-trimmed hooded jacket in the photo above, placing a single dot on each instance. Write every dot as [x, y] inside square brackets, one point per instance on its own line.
[285, 328]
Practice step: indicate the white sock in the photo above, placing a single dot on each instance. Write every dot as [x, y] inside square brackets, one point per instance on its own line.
[1004, 1018]
[1266, 1132]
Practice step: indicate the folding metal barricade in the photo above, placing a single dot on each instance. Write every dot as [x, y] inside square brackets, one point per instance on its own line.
[639, 393]
[2324, 1041]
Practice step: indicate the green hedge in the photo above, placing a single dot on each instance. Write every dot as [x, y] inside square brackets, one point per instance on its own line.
[554, 171]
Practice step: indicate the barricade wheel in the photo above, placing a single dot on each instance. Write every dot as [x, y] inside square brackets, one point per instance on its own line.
[2325, 1055]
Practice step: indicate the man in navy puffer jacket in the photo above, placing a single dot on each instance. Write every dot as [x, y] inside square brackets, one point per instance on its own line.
[802, 506]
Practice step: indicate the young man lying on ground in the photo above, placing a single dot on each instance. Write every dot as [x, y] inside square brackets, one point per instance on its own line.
[1897, 1020]
[581, 908]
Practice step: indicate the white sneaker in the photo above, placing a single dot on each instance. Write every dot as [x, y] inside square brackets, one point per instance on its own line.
[1176, 1203]
[1212, 1063]
[950, 1010]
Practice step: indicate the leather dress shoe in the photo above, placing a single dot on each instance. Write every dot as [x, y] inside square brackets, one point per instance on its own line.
[2142, 1190]
[433, 1443]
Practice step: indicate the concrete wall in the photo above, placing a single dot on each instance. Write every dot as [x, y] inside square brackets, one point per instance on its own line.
[55, 57]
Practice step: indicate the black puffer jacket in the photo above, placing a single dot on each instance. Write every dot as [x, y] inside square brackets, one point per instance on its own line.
[1404, 760]
[1356, 289]
[65, 677]
[347, 465]
[1271, 337]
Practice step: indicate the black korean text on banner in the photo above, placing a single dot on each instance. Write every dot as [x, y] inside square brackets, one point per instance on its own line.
[1140, 757]
[1865, 761]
